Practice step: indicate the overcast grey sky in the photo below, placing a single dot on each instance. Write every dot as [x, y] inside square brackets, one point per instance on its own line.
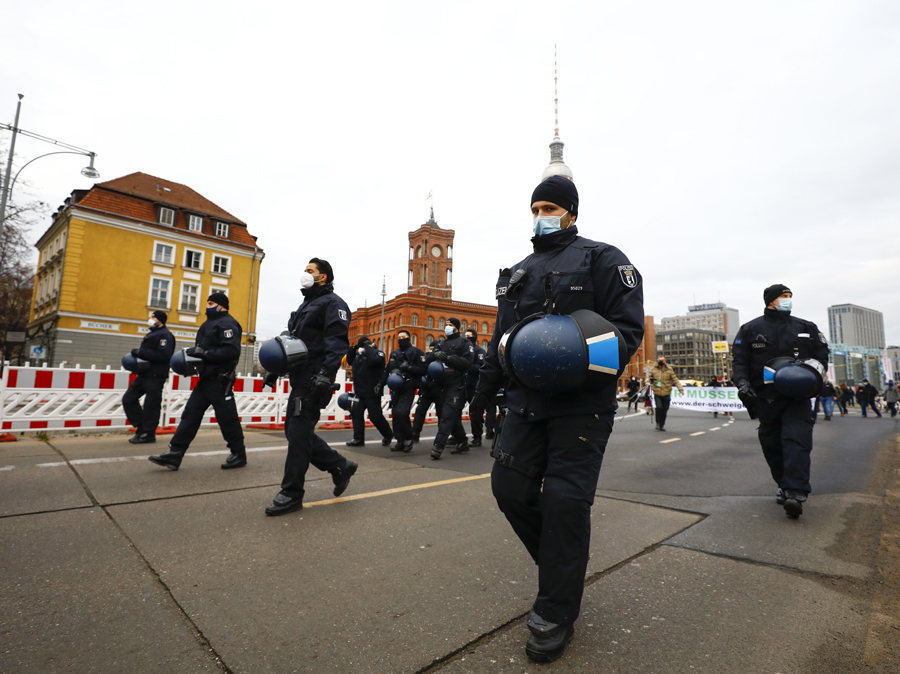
[723, 146]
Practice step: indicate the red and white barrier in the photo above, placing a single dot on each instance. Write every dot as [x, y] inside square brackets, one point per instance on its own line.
[40, 398]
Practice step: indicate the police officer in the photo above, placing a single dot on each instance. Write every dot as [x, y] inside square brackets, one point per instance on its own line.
[322, 322]
[785, 425]
[409, 362]
[552, 444]
[478, 406]
[157, 347]
[634, 387]
[429, 394]
[367, 362]
[457, 355]
[218, 343]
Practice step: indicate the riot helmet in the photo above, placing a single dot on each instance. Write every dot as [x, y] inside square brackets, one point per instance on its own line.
[185, 365]
[133, 364]
[282, 354]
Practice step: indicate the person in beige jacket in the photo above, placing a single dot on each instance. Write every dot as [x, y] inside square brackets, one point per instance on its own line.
[663, 378]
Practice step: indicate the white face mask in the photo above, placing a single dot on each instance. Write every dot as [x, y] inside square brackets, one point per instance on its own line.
[449, 329]
[547, 224]
[784, 304]
[306, 280]
[151, 322]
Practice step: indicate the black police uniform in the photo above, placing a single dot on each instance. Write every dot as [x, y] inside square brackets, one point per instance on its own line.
[368, 368]
[410, 363]
[633, 386]
[322, 322]
[220, 339]
[459, 356]
[157, 347]
[551, 445]
[429, 395]
[785, 426]
[478, 405]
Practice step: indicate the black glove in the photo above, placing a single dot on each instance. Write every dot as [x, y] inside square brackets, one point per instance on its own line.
[320, 386]
[404, 366]
[379, 390]
[196, 351]
[441, 356]
[480, 399]
[271, 380]
[744, 389]
[136, 353]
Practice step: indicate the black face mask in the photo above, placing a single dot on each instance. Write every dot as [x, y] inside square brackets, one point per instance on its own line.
[474, 340]
[404, 343]
[661, 363]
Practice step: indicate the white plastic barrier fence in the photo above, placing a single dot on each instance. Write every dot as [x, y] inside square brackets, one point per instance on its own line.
[41, 398]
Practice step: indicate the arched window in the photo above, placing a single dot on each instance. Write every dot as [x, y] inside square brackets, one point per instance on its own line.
[484, 328]
[410, 278]
[434, 274]
[449, 277]
[484, 344]
[419, 251]
[429, 323]
[428, 340]
[441, 324]
[399, 319]
[449, 252]
[462, 325]
[410, 253]
[413, 340]
[415, 319]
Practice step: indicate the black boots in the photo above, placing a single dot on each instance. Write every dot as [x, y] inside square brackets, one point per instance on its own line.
[170, 460]
[235, 460]
[142, 439]
[341, 477]
[548, 640]
[793, 503]
[283, 504]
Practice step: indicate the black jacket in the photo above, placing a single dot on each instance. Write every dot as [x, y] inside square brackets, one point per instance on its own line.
[158, 346]
[322, 322]
[417, 367]
[368, 368]
[478, 356]
[460, 357]
[220, 335]
[633, 386]
[772, 335]
[869, 393]
[565, 273]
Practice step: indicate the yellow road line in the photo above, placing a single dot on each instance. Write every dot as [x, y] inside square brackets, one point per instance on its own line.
[396, 490]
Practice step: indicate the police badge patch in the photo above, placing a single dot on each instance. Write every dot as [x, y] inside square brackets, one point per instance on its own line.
[626, 273]
[342, 314]
[228, 334]
[162, 342]
[822, 338]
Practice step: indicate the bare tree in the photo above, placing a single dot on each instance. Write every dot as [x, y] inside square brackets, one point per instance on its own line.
[16, 265]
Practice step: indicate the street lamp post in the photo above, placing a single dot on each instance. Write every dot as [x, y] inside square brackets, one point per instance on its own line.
[383, 295]
[88, 171]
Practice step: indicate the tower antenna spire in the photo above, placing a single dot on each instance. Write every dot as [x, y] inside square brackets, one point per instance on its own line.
[555, 98]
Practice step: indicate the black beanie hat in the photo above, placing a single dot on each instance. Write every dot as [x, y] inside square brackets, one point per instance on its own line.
[558, 190]
[362, 341]
[161, 316]
[219, 298]
[455, 322]
[774, 291]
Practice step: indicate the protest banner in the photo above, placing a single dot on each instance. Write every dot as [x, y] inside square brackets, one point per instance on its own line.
[706, 399]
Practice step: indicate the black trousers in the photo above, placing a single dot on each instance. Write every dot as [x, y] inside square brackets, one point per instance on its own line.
[304, 448]
[477, 409]
[453, 399]
[372, 404]
[551, 512]
[425, 402]
[217, 393]
[632, 400]
[785, 433]
[151, 388]
[662, 409]
[400, 414]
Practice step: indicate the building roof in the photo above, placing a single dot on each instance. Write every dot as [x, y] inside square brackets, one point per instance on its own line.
[137, 195]
[167, 192]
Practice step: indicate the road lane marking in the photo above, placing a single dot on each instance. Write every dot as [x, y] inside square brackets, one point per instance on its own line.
[716, 428]
[632, 416]
[663, 442]
[698, 433]
[395, 490]
[7, 467]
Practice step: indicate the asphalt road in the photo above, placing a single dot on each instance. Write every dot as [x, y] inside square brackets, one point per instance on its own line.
[111, 564]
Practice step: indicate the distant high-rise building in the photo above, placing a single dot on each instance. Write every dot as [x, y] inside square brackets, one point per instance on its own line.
[856, 325]
[716, 317]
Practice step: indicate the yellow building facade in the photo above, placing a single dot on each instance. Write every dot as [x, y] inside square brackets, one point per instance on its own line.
[127, 247]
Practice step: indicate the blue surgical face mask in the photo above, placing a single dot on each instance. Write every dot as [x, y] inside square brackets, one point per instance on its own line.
[210, 312]
[547, 224]
[448, 330]
[784, 304]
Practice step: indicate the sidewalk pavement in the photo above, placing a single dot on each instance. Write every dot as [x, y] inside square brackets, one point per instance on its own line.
[112, 565]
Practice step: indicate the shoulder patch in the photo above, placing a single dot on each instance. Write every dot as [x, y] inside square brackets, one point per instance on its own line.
[822, 338]
[229, 333]
[162, 342]
[342, 314]
[626, 273]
